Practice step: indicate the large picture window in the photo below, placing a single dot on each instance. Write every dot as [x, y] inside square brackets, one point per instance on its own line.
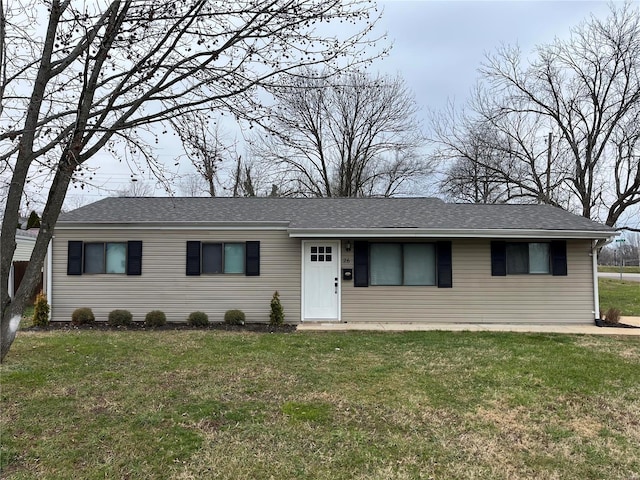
[402, 264]
[105, 257]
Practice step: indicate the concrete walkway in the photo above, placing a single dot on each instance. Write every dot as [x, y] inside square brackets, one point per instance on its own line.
[473, 327]
[629, 277]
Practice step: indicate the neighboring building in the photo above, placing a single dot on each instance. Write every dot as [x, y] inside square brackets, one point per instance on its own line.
[331, 259]
[25, 241]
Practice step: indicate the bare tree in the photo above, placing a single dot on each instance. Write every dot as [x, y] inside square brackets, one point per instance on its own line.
[73, 202]
[215, 157]
[101, 74]
[243, 181]
[135, 189]
[493, 159]
[192, 185]
[585, 91]
[347, 136]
[205, 146]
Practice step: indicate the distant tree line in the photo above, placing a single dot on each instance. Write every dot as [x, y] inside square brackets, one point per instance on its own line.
[622, 253]
[561, 129]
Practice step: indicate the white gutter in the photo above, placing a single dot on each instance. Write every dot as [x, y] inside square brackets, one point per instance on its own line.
[594, 263]
[406, 232]
[176, 226]
[49, 287]
[449, 233]
[596, 292]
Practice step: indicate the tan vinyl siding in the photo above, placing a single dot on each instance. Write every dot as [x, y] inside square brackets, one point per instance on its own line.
[164, 284]
[476, 296]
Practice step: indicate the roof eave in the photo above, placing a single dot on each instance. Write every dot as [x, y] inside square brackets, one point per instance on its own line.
[450, 233]
[180, 225]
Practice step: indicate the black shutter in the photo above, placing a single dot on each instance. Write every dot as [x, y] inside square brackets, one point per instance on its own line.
[445, 277]
[74, 258]
[360, 264]
[558, 251]
[134, 257]
[252, 259]
[498, 259]
[193, 258]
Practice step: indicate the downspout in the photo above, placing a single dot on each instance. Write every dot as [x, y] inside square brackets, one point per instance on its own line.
[594, 262]
[49, 274]
[11, 285]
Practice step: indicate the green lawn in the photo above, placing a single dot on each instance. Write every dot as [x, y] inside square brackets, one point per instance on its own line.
[626, 269]
[623, 295]
[211, 404]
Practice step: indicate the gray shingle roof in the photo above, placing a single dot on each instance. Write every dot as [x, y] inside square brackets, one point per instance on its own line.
[331, 214]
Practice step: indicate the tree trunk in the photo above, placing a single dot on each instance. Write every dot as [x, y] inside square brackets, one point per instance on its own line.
[12, 309]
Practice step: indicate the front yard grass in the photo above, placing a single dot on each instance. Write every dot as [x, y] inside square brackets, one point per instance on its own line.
[624, 295]
[236, 405]
[616, 269]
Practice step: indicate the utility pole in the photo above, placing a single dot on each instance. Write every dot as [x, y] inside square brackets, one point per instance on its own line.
[620, 241]
[548, 193]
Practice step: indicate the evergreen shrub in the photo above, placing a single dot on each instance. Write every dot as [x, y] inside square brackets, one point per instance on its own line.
[82, 316]
[41, 311]
[234, 317]
[155, 318]
[119, 318]
[198, 319]
[276, 317]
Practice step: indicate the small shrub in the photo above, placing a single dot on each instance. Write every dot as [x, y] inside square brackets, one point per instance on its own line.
[198, 319]
[276, 317]
[118, 318]
[155, 318]
[234, 317]
[612, 315]
[82, 316]
[41, 311]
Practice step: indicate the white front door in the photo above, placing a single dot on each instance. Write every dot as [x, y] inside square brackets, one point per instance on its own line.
[321, 281]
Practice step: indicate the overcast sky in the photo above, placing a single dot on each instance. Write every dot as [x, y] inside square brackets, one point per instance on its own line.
[438, 47]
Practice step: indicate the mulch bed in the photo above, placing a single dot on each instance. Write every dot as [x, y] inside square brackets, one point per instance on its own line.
[140, 326]
[604, 323]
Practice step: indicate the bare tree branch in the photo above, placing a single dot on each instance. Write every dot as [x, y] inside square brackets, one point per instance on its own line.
[105, 72]
[346, 136]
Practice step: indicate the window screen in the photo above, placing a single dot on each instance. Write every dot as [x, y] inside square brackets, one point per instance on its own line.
[94, 258]
[517, 258]
[211, 258]
[402, 264]
[386, 263]
[234, 258]
[419, 264]
[539, 258]
[116, 261]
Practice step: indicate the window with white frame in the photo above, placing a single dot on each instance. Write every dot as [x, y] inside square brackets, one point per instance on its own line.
[105, 257]
[528, 258]
[402, 264]
[223, 258]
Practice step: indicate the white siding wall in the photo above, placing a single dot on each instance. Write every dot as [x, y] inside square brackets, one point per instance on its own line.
[24, 247]
[476, 296]
[164, 285]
